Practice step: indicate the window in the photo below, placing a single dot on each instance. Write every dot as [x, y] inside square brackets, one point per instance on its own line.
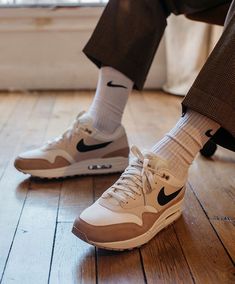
[13, 3]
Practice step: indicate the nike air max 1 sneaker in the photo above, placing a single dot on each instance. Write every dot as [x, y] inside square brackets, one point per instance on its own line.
[145, 199]
[81, 150]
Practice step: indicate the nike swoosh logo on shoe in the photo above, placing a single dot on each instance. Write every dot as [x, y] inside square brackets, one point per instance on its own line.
[208, 133]
[82, 147]
[110, 84]
[163, 199]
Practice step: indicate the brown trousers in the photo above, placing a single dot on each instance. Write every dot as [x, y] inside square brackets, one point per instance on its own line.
[127, 37]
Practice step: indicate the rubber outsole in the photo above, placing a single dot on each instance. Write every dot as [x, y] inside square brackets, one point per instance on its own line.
[160, 224]
[116, 165]
[69, 176]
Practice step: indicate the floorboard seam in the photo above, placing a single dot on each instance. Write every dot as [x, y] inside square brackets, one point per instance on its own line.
[142, 265]
[4, 169]
[229, 256]
[13, 239]
[191, 273]
[55, 231]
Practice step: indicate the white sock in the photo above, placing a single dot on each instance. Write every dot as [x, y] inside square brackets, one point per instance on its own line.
[110, 99]
[180, 146]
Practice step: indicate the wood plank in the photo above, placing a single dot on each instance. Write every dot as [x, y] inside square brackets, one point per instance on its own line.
[13, 191]
[76, 195]
[226, 232]
[203, 250]
[190, 245]
[216, 191]
[12, 201]
[164, 261]
[213, 186]
[43, 225]
[61, 115]
[74, 260]
[8, 103]
[32, 245]
[119, 267]
[103, 182]
[14, 129]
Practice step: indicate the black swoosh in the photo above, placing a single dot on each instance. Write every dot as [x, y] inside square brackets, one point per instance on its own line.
[163, 199]
[82, 147]
[110, 84]
[208, 133]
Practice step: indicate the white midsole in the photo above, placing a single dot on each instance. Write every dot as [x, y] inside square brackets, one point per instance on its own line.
[111, 165]
[168, 216]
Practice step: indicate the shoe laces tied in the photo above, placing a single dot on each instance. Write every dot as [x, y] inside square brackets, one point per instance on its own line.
[139, 178]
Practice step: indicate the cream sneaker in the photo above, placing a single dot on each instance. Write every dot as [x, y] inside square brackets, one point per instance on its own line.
[81, 150]
[144, 200]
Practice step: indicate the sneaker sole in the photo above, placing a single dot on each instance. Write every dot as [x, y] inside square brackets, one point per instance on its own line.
[87, 167]
[168, 217]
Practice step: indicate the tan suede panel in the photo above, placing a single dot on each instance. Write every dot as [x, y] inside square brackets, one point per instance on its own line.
[119, 232]
[40, 164]
[119, 153]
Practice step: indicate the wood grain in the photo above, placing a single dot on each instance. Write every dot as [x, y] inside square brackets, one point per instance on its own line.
[123, 267]
[216, 191]
[13, 185]
[164, 261]
[74, 260]
[205, 254]
[36, 244]
[33, 242]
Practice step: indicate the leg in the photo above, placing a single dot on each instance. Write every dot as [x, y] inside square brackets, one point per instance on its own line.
[127, 37]
[102, 147]
[97, 142]
[212, 94]
[149, 194]
[129, 32]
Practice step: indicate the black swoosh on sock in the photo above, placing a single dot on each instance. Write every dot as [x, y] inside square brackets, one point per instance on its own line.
[110, 84]
[208, 133]
[163, 199]
[82, 147]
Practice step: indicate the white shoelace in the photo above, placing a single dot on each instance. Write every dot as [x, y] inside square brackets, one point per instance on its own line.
[139, 178]
[69, 133]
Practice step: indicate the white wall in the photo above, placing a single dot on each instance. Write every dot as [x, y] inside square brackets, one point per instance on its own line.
[41, 48]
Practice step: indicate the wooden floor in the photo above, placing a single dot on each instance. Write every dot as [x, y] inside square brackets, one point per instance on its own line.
[36, 245]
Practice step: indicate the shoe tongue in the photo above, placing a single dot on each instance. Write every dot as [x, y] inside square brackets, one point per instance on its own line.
[155, 161]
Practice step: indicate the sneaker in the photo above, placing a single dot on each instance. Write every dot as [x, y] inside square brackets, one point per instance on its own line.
[81, 150]
[144, 200]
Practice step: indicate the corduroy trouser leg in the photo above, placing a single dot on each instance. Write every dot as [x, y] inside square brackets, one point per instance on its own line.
[128, 34]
